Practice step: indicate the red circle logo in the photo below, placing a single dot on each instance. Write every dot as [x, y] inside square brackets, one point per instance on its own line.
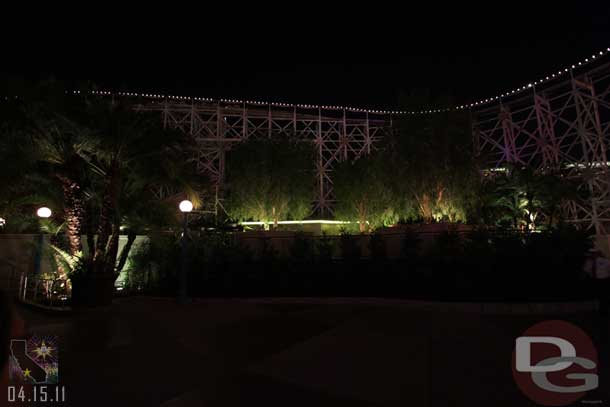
[555, 363]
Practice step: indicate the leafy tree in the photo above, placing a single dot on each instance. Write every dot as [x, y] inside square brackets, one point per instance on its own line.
[363, 192]
[434, 164]
[424, 171]
[270, 180]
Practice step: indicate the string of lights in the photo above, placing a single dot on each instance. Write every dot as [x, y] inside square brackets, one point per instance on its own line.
[542, 80]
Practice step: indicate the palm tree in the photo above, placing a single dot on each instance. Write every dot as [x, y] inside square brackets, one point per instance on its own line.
[522, 197]
[107, 159]
[62, 152]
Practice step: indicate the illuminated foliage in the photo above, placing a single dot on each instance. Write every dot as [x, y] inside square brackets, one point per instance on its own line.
[521, 198]
[363, 192]
[423, 172]
[270, 180]
[434, 173]
[96, 163]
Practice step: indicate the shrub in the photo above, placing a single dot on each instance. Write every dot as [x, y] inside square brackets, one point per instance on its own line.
[448, 246]
[302, 248]
[479, 252]
[350, 250]
[483, 263]
[325, 248]
[377, 247]
[410, 245]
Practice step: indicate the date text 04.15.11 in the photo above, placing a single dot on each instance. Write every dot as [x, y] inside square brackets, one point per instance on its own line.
[36, 394]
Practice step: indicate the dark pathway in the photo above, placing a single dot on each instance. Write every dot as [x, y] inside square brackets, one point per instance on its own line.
[153, 352]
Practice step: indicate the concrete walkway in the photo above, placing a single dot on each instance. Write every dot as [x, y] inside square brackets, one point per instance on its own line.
[153, 352]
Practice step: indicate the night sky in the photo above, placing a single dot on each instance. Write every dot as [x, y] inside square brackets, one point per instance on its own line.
[364, 57]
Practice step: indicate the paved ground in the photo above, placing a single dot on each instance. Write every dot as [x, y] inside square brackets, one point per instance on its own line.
[153, 352]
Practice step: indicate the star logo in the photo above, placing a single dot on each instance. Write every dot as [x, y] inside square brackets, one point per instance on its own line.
[43, 351]
[34, 360]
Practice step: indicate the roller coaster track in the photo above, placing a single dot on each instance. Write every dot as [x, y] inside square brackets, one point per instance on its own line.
[560, 127]
[560, 122]
[217, 126]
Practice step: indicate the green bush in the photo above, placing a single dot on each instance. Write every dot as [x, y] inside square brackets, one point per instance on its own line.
[302, 248]
[377, 247]
[449, 246]
[480, 264]
[410, 245]
[324, 248]
[350, 250]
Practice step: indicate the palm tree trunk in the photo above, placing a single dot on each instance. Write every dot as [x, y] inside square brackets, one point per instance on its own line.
[103, 231]
[73, 213]
[108, 231]
[90, 232]
[112, 250]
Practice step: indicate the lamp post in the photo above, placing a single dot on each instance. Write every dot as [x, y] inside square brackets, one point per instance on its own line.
[185, 206]
[43, 213]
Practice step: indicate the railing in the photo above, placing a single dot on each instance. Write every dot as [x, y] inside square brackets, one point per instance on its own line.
[43, 290]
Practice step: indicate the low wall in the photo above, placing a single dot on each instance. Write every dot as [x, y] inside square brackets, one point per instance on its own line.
[18, 256]
[17, 251]
[278, 241]
[281, 241]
